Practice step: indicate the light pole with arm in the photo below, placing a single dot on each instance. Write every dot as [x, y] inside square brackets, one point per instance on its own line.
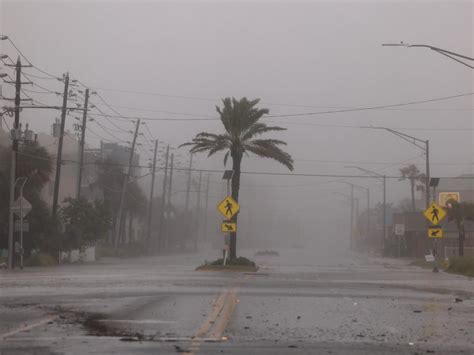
[351, 199]
[384, 183]
[452, 55]
[367, 191]
[423, 145]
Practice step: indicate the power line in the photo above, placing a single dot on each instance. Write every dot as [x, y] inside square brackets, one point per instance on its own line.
[444, 129]
[27, 76]
[98, 136]
[248, 172]
[157, 119]
[110, 134]
[29, 62]
[344, 108]
[149, 131]
[367, 108]
[107, 117]
[289, 105]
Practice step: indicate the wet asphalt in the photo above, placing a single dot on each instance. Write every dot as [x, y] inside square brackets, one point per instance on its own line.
[298, 302]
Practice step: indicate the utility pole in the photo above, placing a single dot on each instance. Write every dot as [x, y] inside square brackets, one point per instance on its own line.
[188, 183]
[352, 218]
[125, 183]
[384, 212]
[198, 207]
[161, 239]
[60, 147]
[170, 185]
[16, 127]
[188, 189]
[368, 214]
[82, 144]
[206, 204]
[427, 180]
[150, 202]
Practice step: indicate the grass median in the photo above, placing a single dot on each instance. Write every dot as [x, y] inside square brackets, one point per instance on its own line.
[456, 265]
[239, 264]
[461, 265]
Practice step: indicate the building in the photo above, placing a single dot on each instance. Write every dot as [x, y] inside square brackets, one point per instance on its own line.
[415, 242]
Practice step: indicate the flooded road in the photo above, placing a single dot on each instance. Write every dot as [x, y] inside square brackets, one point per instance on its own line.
[297, 303]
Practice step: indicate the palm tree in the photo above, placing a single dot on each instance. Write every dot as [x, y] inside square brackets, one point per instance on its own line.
[241, 124]
[459, 212]
[413, 175]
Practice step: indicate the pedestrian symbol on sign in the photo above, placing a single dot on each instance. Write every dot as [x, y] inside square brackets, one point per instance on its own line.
[228, 207]
[434, 213]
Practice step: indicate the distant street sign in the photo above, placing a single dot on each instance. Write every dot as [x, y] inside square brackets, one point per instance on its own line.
[26, 226]
[429, 258]
[435, 232]
[444, 197]
[21, 203]
[228, 207]
[228, 227]
[434, 213]
[399, 229]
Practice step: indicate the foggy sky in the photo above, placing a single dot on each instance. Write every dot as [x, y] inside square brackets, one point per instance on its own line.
[322, 54]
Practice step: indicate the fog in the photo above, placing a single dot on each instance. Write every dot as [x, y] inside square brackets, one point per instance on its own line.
[181, 58]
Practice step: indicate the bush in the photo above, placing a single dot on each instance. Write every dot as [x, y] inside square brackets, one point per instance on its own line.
[240, 261]
[462, 265]
[40, 259]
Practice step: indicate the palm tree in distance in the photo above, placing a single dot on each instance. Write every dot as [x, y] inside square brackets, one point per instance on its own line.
[414, 176]
[241, 124]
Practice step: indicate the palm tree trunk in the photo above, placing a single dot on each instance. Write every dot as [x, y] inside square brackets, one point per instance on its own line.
[461, 239]
[130, 227]
[412, 186]
[236, 162]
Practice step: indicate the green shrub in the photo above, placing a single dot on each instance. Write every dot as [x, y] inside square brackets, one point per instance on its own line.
[40, 259]
[462, 265]
[240, 261]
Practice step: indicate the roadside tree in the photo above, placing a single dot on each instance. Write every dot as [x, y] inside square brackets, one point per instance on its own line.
[240, 119]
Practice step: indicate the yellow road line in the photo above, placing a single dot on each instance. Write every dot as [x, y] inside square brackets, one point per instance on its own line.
[226, 315]
[216, 309]
[220, 316]
[24, 328]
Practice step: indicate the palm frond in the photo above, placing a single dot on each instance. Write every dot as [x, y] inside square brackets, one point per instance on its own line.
[240, 119]
[268, 148]
[226, 156]
[258, 129]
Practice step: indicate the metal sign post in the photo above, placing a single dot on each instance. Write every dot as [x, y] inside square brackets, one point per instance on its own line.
[435, 214]
[228, 174]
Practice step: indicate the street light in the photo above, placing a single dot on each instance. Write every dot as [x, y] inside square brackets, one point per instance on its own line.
[352, 198]
[449, 54]
[383, 178]
[423, 145]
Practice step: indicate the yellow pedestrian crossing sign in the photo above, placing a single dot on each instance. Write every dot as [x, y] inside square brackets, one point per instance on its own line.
[228, 227]
[434, 213]
[435, 232]
[228, 207]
